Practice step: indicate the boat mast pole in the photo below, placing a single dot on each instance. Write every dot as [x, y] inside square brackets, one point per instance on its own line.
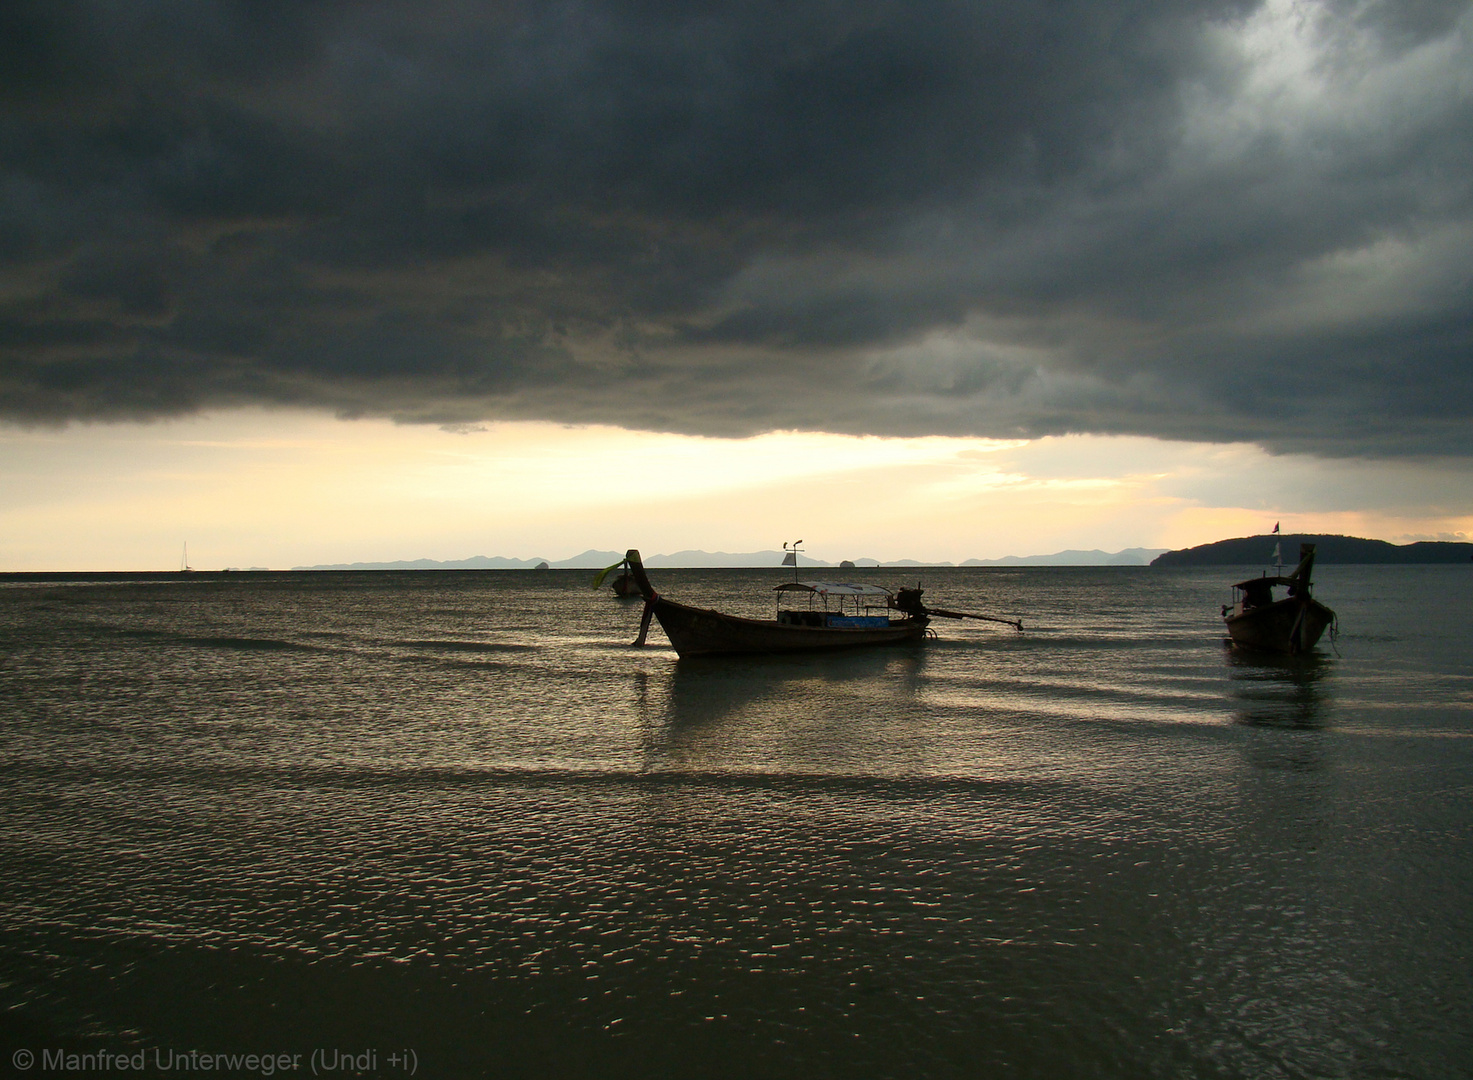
[791, 558]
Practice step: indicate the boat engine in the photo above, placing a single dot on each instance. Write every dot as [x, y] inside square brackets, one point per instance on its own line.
[909, 601]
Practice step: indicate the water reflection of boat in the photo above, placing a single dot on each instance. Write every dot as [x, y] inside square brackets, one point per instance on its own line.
[1275, 690]
[1256, 619]
[851, 616]
[703, 695]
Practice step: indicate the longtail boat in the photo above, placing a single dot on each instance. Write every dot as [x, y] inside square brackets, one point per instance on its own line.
[850, 616]
[624, 586]
[1256, 619]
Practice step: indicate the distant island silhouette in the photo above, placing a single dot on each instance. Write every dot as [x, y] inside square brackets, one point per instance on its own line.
[711, 560]
[1258, 550]
[1239, 551]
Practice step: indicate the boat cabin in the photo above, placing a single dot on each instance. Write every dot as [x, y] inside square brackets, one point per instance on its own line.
[832, 604]
[1259, 593]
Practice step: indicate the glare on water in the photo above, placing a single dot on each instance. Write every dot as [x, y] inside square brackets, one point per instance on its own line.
[456, 811]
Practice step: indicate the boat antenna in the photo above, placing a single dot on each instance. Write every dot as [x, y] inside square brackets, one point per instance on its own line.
[791, 558]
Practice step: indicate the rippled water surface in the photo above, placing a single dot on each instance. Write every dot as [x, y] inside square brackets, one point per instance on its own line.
[457, 813]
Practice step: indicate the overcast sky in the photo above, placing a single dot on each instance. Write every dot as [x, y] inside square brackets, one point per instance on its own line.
[1217, 223]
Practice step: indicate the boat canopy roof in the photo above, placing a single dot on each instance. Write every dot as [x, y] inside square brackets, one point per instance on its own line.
[1260, 582]
[832, 588]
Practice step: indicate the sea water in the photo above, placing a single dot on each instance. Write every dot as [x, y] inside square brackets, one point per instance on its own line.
[452, 824]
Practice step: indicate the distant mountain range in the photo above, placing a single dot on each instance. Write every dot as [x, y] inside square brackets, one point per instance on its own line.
[1241, 551]
[594, 560]
[1096, 557]
[1258, 551]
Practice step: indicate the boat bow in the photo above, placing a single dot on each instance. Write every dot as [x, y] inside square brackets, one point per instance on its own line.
[635, 568]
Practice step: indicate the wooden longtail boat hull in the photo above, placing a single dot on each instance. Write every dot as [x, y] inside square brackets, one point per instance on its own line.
[700, 632]
[1290, 626]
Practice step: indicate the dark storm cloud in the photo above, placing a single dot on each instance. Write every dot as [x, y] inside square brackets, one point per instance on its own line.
[1199, 220]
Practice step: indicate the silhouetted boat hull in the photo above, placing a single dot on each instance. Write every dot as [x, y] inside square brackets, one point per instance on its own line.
[701, 632]
[863, 617]
[1292, 625]
[1289, 626]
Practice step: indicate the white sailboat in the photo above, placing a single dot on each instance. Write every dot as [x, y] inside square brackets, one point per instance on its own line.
[184, 567]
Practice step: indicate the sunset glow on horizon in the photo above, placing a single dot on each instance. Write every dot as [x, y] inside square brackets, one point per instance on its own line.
[282, 489]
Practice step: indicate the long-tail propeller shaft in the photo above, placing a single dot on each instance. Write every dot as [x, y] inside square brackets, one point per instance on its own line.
[1016, 624]
[909, 600]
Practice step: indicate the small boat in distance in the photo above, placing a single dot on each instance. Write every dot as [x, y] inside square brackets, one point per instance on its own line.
[851, 616]
[1291, 624]
[184, 567]
[624, 586]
